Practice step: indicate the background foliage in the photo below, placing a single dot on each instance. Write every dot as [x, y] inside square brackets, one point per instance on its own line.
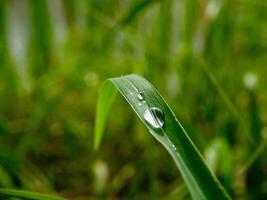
[206, 57]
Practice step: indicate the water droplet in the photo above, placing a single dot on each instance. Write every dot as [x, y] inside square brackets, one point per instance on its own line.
[154, 117]
[141, 96]
[139, 104]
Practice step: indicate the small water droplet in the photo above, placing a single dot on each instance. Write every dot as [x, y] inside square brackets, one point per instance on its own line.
[154, 117]
[141, 96]
[140, 104]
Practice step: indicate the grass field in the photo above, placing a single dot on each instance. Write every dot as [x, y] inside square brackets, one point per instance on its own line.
[207, 58]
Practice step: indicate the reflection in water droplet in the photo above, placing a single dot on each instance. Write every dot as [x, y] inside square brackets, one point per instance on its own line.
[154, 117]
[141, 96]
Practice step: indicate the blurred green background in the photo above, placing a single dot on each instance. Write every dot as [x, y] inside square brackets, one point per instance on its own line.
[208, 58]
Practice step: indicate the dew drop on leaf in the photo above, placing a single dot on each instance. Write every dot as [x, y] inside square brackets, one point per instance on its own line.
[154, 117]
[141, 96]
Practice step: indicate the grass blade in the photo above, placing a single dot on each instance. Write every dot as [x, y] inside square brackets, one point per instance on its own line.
[108, 91]
[134, 10]
[161, 122]
[26, 195]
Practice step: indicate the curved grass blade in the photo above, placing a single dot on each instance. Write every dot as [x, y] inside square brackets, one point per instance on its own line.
[137, 8]
[104, 103]
[161, 122]
[26, 195]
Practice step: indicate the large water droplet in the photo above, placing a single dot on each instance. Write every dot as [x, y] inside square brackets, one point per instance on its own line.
[154, 117]
[141, 96]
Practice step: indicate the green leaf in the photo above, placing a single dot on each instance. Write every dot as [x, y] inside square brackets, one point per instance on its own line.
[26, 195]
[104, 103]
[163, 125]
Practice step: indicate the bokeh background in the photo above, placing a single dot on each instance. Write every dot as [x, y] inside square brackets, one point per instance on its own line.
[208, 58]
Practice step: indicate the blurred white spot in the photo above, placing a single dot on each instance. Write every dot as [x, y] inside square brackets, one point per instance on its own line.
[91, 79]
[56, 9]
[213, 8]
[18, 38]
[211, 158]
[250, 80]
[173, 84]
[101, 173]
[264, 132]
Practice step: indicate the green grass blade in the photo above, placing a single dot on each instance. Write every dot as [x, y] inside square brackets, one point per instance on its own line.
[200, 181]
[26, 195]
[134, 10]
[108, 91]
